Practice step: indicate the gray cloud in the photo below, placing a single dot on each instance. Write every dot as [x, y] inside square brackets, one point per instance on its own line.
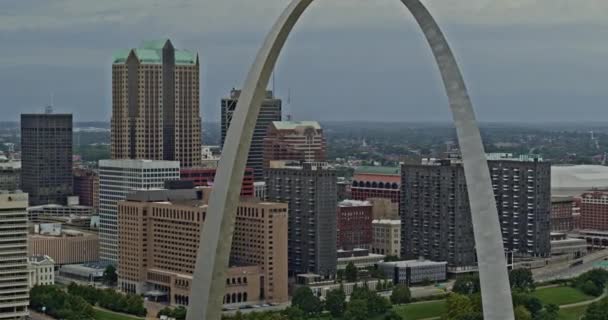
[523, 59]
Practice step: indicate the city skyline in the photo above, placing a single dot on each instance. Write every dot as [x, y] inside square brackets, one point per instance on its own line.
[516, 39]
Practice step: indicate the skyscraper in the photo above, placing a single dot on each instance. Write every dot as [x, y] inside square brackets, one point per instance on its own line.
[354, 225]
[155, 104]
[311, 192]
[269, 112]
[116, 179]
[86, 186]
[295, 141]
[46, 157]
[14, 274]
[436, 217]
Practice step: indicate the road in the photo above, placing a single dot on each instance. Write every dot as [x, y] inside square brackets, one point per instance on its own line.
[565, 270]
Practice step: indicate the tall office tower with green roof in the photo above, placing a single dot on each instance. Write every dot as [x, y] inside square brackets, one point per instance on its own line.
[155, 104]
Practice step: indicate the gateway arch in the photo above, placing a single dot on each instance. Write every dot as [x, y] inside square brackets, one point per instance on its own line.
[213, 253]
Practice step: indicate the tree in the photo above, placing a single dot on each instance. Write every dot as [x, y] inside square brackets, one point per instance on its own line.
[590, 288]
[597, 310]
[356, 310]
[458, 305]
[467, 284]
[390, 258]
[392, 315]
[335, 303]
[401, 294]
[551, 312]
[351, 273]
[294, 313]
[521, 279]
[529, 302]
[305, 300]
[377, 305]
[109, 276]
[521, 313]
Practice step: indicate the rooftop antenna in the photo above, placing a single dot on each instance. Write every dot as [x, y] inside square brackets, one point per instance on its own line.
[288, 116]
[49, 108]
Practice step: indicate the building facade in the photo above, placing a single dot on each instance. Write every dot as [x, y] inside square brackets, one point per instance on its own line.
[377, 183]
[294, 141]
[10, 175]
[159, 240]
[65, 248]
[205, 177]
[414, 271]
[156, 103]
[354, 225]
[436, 218]
[86, 187]
[259, 190]
[41, 271]
[311, 192]
[360, 258]
[386, 237]
[594, 211]
[269, 112]
[117, 178]
[14, 274]
[46, 157]
[562, 214]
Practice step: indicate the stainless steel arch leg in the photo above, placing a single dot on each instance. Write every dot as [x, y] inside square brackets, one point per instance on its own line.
[214, 249]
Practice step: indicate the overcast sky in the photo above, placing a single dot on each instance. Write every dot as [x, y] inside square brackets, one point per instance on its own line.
[523, 60]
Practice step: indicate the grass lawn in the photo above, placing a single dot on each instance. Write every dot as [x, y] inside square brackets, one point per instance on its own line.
[421, 310]
[572, 313]
[108, 315]
[561, 295]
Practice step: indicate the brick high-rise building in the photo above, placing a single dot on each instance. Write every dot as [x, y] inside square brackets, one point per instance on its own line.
[562, 214]
[86, 187]
[159, 237]
[594, 211]
[436, 218]
[14, 273]
[205, 177]
[354, 225]
[294, 141]
[155, 104]
[46, 157]
[117, 178]
[269, 112]
[311, 192]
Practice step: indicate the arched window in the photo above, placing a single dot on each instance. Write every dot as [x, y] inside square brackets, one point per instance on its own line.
[234, 298]
[238, 280]
[227, 299]
[374, 184]
[367, 184]
[239, 297]
[245, 280]
[381, 185]
[245, 297]
[355, 183]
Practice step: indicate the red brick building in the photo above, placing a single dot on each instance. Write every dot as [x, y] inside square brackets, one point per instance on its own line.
[86, 186]
[376, 182]
[354, 225]
[594, 211]
[294, 140]
[562, 214]
[204, 177]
